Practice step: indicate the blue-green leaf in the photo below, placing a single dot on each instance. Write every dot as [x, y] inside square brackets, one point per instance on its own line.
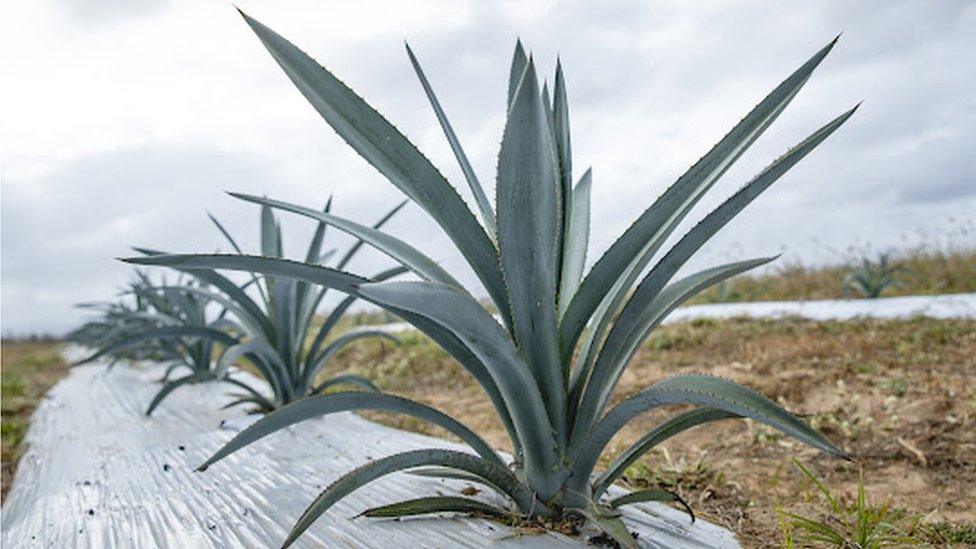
[527, 199]
[319, 405]
[498, 475]
[482, 334]
[484, 206]
[386, 149]
[610, 278]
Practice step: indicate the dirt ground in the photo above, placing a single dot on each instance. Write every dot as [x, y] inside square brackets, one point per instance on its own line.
[897, 395]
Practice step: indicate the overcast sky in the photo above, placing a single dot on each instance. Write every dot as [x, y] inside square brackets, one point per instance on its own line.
[124, 122]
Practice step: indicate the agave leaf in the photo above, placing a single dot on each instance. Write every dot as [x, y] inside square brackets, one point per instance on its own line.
[560, 115]
[237, 248]
[324, 258]
[642, 496]
[283, 309]
[482, 334]
[609, 521]
[484, 206]
[172, 368]
[161, 333]
[336, 314]
[705, 229]
[347, 257]
[318, 405]
[655, 280]
[655, 436]
[176, 384]
[547, 109]
[231, 354]
[390, 245]
[307, 297]
[340, 342]
[214, 279]
[269, 234]
[629, 332]
[245, 399]
[227, 235]
[346, 282]
[497, 474]
[315, 247]
[264, 358]
[519, 63]
[432, 504]
[349, 379]
[708, 391]
[564, 157]
[527, 198]
[611, 276]
[316, 274]
[608, 370]
[383, 146]
[254, 325]
[258, 397]
[444, 472]
[576, 238]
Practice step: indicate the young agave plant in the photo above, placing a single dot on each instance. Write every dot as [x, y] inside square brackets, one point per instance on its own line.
[872, 277]
[170, 324]
[279, 337]
[550, 365]
[160, 325]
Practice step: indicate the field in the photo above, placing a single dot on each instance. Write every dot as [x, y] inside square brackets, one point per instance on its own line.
[896, 394]
[925, 271]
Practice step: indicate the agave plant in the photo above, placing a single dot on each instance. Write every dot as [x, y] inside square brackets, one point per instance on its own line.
[553, 360]
[277, 334]
[170, 324]
[872, 277]
[154, 326]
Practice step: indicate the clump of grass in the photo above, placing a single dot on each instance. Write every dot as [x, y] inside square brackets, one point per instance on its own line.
[853, 524]
[685, 477]
[947, 534]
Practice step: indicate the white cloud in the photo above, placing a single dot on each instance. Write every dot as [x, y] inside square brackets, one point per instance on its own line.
[124, 122]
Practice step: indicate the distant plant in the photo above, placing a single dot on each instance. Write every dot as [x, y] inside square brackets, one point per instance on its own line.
[552, 362]
[277, 333]
[872, 277]
[853, 525]
[149, 322]
[168, 324]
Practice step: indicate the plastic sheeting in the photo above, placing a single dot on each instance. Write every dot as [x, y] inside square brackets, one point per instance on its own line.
[932, 306]
[98, 473]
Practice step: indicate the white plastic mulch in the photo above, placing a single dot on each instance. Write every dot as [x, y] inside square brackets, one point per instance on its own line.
[932, 306]
[99, 474]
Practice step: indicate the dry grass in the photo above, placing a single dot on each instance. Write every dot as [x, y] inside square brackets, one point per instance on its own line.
[27, 371]
[920, 272]
[898, 395]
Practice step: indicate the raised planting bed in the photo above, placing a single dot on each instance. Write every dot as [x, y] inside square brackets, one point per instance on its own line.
[99, 473]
